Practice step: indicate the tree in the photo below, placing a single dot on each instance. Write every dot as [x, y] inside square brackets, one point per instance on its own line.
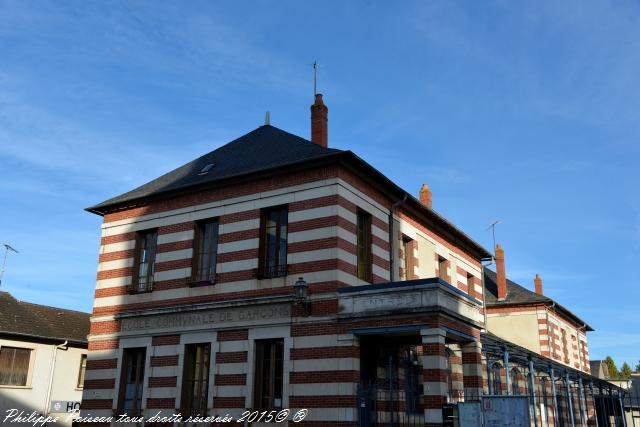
[625, 372]
[613, 369]
[638, 368]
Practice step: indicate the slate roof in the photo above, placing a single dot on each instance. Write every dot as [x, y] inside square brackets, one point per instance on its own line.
[599, 369]
[519, 295]
[265, 148]
[36, 321]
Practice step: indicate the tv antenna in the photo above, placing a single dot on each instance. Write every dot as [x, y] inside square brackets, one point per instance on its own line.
[315, 77]
[7, 248]
[493, 231]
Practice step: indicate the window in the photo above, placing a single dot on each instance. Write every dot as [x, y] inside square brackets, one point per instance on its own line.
[132, 381]
[470, 284]
[83, 368]
[273, 242]
[14, 365]
[145, 258]
[405, 258]
[442, 269]
[496, 382]
[195, 379]
[544, 414]
[205, 251]
[363, 233]
[267, 392]
[515, 386]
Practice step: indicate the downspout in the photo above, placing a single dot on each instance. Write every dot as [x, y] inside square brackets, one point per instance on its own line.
[391, 254]
[484, 299]
[53, 367]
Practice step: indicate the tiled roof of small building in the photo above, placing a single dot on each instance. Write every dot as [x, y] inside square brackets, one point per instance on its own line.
[41, 321]
[519, 295]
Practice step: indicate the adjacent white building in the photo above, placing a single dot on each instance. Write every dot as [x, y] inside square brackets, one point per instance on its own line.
[43, 354]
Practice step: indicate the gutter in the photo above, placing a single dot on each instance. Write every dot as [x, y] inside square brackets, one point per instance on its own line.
[391, 254]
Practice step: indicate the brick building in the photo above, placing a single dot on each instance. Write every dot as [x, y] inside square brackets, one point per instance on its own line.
[534, 320]
[277, 272]
[43, 352]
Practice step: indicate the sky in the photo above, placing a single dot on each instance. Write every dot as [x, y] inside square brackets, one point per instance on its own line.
[523, 112]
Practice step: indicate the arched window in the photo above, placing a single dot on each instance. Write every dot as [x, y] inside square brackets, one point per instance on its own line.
[496, 381]
[515, 389]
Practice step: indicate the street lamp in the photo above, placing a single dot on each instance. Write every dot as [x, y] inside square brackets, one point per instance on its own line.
[301, 290]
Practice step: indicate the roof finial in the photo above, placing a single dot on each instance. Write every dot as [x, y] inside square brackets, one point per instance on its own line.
[267, 118]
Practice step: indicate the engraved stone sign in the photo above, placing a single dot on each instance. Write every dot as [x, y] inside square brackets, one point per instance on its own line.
[207, 319]
[387, 302]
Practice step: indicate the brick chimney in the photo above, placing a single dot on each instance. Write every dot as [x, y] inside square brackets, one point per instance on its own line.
[319, 122]
[425, 196]
[538, 282]
[500, 272]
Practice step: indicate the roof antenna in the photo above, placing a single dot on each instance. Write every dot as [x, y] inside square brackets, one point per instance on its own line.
[267, 118]
[315, 77]
[493, 230]
[7, 248]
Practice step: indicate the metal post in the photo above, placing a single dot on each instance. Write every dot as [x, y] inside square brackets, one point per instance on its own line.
[489, 385]
[621, 400]
[613, 407]
[533, 393]
[569, 398]
[583, 402]
[505, 359]
[552, 374]
[593, 398]
[390, 376]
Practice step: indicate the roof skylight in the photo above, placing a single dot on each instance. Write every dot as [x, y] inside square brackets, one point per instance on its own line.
[205, 170]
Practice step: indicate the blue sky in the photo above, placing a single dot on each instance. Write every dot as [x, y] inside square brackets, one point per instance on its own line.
[524, 112]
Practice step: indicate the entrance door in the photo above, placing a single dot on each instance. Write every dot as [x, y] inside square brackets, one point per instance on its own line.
[391, 387]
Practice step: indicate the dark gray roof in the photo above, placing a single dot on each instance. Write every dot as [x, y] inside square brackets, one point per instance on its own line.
[519, 295]
[265, 148]
[41, 322]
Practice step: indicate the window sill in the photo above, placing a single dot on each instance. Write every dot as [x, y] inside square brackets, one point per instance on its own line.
[201, 283]
[137, 292]
[16, 386]
[283, 272]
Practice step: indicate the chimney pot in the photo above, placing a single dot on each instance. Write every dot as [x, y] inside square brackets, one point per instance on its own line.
[319, 122]
[501, 274]
[538, 282]
[426, 197]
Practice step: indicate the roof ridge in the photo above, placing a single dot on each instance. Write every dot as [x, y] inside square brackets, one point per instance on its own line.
[53, 308]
